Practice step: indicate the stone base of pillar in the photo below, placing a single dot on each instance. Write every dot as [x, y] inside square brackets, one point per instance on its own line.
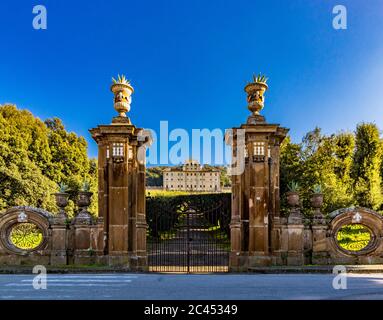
[84, 257]
[58, 257]
[242, 262]
[279, 241]
[260, 261]
[119, 260]
[142, 263]
[295, 253]
[295, 259]
[320, 258]
[320, 247]
[138, 263]
[238, 262]
[279, 258]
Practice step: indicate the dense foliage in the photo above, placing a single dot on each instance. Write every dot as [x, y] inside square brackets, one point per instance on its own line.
[348, 166]
[35, 156]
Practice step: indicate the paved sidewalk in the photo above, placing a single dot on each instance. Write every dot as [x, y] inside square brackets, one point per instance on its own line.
[365, 269]
[377, 268]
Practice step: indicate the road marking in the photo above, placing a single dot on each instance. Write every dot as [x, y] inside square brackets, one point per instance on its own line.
[85, 276]
[78, 280]
[61, 285]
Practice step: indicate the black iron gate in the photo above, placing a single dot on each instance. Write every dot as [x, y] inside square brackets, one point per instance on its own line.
[189, 235]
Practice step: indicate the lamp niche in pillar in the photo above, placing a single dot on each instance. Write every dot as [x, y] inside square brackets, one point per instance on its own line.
[255, 189]
[121, 183]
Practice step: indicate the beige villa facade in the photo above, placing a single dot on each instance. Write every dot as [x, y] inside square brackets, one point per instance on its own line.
[191, 176]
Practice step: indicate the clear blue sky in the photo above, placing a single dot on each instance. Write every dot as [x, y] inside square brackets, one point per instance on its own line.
[189, 61]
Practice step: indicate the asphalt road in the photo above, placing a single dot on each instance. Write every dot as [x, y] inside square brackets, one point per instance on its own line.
[190, 287]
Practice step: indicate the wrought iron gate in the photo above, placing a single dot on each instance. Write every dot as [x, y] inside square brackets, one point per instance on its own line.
[189, 238]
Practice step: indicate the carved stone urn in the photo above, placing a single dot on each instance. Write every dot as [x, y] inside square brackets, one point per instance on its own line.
[122, 91]
[83, 201]
[255, 98]
[317, 200]
[292, 198]
[62, 201]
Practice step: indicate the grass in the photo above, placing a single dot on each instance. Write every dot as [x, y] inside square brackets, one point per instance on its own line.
[353, 237]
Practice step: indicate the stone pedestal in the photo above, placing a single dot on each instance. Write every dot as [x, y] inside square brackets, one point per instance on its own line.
[320, 246]
[307, 242]
[280, 241]
[83, 252]
[59, 241]
[295, 229]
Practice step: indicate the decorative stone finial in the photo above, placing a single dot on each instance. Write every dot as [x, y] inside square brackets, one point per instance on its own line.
[122, 98]
[255, 98]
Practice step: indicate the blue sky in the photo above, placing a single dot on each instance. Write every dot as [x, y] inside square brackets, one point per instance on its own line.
[189, 61]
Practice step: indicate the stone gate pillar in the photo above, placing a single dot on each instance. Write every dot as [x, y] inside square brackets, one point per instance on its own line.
[121, 180]
[255, 183]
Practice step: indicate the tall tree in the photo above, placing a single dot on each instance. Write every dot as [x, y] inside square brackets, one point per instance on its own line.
[24, 151]
[319, 159]
[36, 156]
[366, 166]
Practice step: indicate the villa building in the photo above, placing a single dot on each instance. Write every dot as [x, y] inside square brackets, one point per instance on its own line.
[191, 176]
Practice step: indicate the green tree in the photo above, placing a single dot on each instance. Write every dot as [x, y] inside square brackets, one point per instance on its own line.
[154, 176]
[36, 156]
[366, 166]
[290, 168]
[24, 151]
[319, 159]
[69, 152]
[290, 163]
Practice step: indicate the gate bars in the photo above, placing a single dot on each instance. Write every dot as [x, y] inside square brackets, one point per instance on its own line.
[189, 233]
